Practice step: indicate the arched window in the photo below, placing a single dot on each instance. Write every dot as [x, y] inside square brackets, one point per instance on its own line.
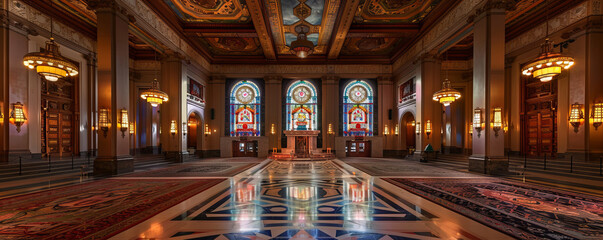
[301, 106]
[358, 109]
[245, 109]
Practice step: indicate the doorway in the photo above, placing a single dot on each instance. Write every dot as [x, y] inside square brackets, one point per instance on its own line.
[408, 121]
[245, 148]
[192, 137]
[539, 117]
[358, 148]
[58, 117]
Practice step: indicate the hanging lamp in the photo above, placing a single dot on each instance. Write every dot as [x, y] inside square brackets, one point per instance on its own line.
[302, 47]
[153, 95]
[550, 63]
[49, 63]
[446, 95]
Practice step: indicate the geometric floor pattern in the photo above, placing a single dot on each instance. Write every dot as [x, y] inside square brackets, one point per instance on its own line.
[302, 200]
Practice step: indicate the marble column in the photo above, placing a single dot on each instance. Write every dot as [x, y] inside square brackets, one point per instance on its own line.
[174, 82]
[330, 110]
[92, 104]
[489, 87]
[273, 110]
[427, 84]
[113, 86]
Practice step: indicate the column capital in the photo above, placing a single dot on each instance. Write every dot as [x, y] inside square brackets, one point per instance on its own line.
[428, 57]
[273, 79]
[111, 5]
[493, 5]
[330, 78]
[384, 80]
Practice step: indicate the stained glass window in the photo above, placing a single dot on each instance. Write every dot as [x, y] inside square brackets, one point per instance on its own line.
[301, 106]
[245, 109]
[358, 109]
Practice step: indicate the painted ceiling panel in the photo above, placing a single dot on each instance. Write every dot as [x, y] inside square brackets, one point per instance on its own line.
[370, 46]
[394, 11]
[289, 18]
[232, 46]
[210, 11]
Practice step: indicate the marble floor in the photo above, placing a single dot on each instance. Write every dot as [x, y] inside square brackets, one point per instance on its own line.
[353, 198]
[308, 200]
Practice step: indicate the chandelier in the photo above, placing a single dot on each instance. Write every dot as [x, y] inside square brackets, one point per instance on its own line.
[302, 47]
[549, 64]
[153, 95]
[446, 95]
[50, 64]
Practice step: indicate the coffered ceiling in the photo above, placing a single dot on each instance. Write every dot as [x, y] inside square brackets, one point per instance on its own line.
[260, 31]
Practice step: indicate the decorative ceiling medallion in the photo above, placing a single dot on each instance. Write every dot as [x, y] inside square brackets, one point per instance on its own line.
[245, 95]
[357, 94]
[216, 11]
[302, 94]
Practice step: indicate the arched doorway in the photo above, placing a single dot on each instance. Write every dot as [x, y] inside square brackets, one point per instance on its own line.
[408, 121]
[194, 136]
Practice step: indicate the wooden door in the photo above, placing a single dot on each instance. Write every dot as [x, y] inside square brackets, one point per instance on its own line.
[539, 120]
[245, 148]
[410, 136]
[59, 137]
[358, 148]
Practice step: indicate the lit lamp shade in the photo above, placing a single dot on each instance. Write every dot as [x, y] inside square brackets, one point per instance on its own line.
[131, 128]
[207, 130]
[50, 64]
[597, 115]
[576, 116]
[496, 120]
[396, 130]
[173, 127]
[104, 120]
[417, 127]
[470, 128]
[123, 122]
[17, 115]
[386, 130]
[446, 95]
[478, 120]
[330, 129]
[272, 129]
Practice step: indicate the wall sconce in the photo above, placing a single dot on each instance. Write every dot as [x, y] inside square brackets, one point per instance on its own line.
[506, 127]
[396, 130]
[184, 128]
[1, 115]
[496, 120]
[478, 121]
[330, 129]
[471, 129]
[417, 127]
[272, 129]
[428, 128]
[207, 131]
[131, 128]
[104, 122]
[17, 115]
[123, 122]
[597, 115]
[173, 127]
[386, 130]
[576, 116]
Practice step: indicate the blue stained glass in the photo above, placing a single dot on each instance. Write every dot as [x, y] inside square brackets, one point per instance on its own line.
[245, 117]
[302, 116]
[358, 115]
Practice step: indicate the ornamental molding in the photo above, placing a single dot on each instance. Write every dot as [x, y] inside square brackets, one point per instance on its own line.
[535, 35]
[16, 25]
[262, 70]
[493, 5]
[113, 5]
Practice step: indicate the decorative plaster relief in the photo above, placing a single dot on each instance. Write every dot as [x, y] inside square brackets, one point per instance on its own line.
[559, 22]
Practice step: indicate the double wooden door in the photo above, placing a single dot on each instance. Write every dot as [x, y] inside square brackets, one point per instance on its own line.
[539, 120]
[245, 148]
[59, 135]
[358, 148]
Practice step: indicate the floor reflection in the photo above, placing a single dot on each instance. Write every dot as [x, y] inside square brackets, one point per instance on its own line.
[302, 200]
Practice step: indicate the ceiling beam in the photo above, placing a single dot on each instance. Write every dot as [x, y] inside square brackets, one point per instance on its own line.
[261, 27]
[345, 16]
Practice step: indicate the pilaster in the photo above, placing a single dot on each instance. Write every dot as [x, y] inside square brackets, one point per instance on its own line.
[274, 114]
[174, 82]
[427, 109]
[330, 110]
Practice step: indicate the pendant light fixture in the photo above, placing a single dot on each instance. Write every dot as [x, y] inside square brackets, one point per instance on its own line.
[446, 95]
[49, 63]
[302, 47]
[550, 63]
[153, 95]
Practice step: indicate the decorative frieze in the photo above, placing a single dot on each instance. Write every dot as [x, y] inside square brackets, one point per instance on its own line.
[112, 5]
[506, 5]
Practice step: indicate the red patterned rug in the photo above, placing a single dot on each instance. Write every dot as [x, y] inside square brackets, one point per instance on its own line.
[524, 211]
[96, 210]
[198, 169]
